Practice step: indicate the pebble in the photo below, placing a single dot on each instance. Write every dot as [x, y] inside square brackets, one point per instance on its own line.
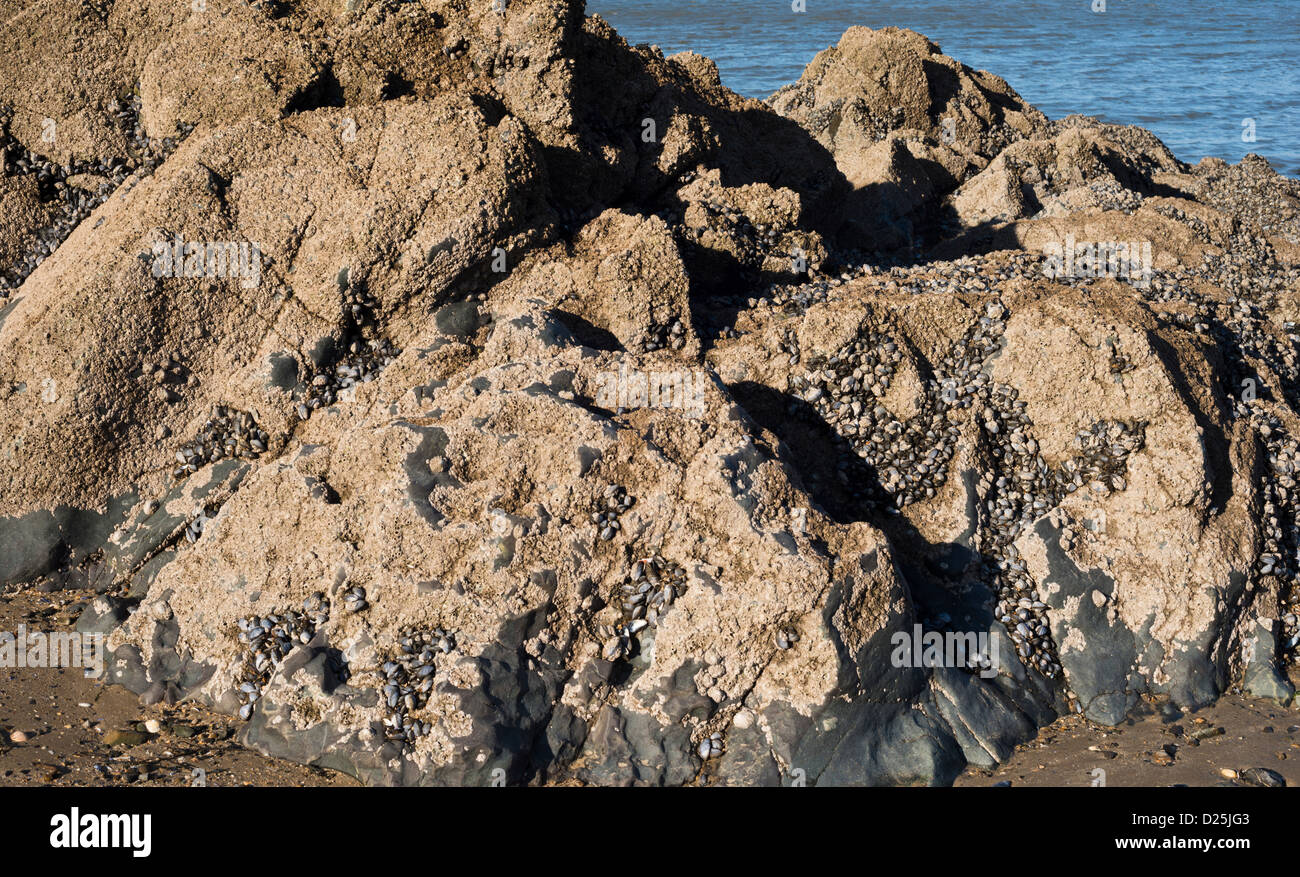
[1262, 776]
[118, 737]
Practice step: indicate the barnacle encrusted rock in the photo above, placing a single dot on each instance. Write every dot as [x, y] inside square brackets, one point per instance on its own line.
[506, 426]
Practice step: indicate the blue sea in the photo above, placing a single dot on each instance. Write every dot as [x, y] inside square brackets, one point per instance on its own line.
[1192, 71]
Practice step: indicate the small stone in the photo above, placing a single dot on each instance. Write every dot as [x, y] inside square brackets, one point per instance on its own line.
[1262, 776]
[18, 737]
[153, 726]
[125, 738]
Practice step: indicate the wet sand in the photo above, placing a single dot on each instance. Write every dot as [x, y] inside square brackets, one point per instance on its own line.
[70, 722]
[1173, 748]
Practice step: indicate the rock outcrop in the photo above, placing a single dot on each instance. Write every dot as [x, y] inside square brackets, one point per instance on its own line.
[456, 418]
[906, 125]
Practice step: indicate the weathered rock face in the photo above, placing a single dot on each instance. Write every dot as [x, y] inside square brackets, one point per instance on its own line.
[875, 82]
[1085, 165]
[507, 426]
[906, 124]
[111, 353]
[1143, 560]
[457, 509]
